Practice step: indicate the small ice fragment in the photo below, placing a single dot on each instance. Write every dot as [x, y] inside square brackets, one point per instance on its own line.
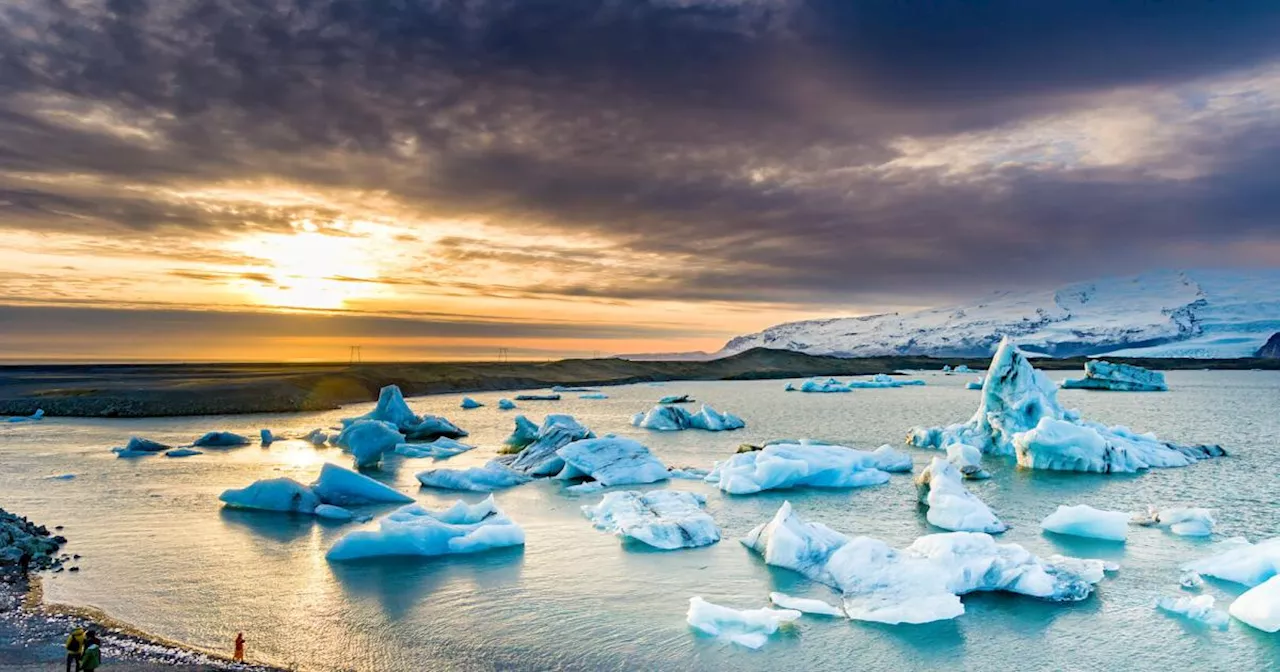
[750, 628]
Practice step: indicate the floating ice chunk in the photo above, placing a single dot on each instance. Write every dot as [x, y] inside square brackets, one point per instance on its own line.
[968, 460]
[593, 395]
[344, 487]
[125, 452]
[469, 403]
[976, 562]
[946, 368]
[1086, 521]
[439, 449]
[963, 368]
[1259, 607]
[1020, 415]
[795, 465]
[585, 487]
[892, 461]
[368, 440]
[60, 477]
[1102, 375]
[819, 386]
[416, 531]
[1241, 562]
[805, 605]
[182, 452]
[951, 506]
[676, 399]
[611, 461]
[525, 433]
[506, 404]
[391, 408]
[673, 418]
[666, 519]
[537, 397]
[1198, 608]
[539, 458]
[975, 384]
[492, 476]
[38, 415]
[1182, 521]
[266, 436]
[1191, 581]
[750, 628]
[881, 381]
[564, 388]
[316, 437]
[140, 445]
[276, 494]
[217, 440]
[331, 512]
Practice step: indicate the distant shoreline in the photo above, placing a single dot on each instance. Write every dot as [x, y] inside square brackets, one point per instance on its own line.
[164, 390]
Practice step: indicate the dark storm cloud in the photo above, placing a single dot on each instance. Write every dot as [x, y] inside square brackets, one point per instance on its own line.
[733, 138]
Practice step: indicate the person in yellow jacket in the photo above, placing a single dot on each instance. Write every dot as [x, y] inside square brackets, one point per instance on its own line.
[75, 649]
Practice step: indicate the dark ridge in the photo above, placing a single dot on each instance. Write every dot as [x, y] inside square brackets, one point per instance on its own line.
[134, 391]
[1270, 349]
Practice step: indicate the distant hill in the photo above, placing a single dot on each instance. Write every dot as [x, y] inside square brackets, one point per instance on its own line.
[1194, 313]
[1270, 349]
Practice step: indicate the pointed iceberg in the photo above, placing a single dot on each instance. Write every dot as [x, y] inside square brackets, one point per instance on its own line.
[1020, 415]
[665, 519]
[343, 487]
[368, 440]
[469, 403]
[391, 408]
[538, 456]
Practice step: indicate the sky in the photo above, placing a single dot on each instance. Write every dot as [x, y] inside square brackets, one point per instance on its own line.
[450, 179]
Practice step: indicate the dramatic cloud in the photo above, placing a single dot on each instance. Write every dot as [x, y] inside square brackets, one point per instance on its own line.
[778, 156]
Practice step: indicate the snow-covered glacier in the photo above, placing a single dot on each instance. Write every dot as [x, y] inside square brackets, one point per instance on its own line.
[1192, 313]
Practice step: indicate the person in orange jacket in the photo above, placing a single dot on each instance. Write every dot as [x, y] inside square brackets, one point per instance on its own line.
[238, 656]
[75, 649]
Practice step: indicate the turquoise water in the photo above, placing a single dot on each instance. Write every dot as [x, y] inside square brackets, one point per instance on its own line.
[160, 552]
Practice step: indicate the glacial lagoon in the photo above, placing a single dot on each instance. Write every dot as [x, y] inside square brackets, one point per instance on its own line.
[162, 554]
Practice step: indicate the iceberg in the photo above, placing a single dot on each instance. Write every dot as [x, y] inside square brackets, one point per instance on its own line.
[331, 512]
[368, 440]
[951, 506]
[665, 519]
[276, 494]
[1101, 375]
[881, 381]
[439, 449]
[416, 531]
[1199, 609]
[1191, 581]
[539, 457]
[805, 605]
[687, 473]
[266, 437]
[786, 465]
[673, 418]
[38, 415]
[1259, 607]
[968, 460]
[610, 461]
[750, 628]
[343, 487]
[391, 408]
[593, 395]
[217, 440]
[923, 582]
[818, 386]
[506, 404]
[892, 461]
[1182, 521]
[524, 434]
[537, 397]
[492, 476]
[1019, 415]
[469, 403]
[140, 445]
[1086, 521]
[963, 368]
[1241, 562]
[676, 399]
[975, 384]
[564, 388]
[182, 452]
[316, 437]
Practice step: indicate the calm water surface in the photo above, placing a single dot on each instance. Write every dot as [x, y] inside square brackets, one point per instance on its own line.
[162, 554]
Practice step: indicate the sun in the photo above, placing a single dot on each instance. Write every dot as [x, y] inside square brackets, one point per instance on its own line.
[308, 269]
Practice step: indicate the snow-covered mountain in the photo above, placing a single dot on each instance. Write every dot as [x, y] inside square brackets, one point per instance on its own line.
[1194, 313]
